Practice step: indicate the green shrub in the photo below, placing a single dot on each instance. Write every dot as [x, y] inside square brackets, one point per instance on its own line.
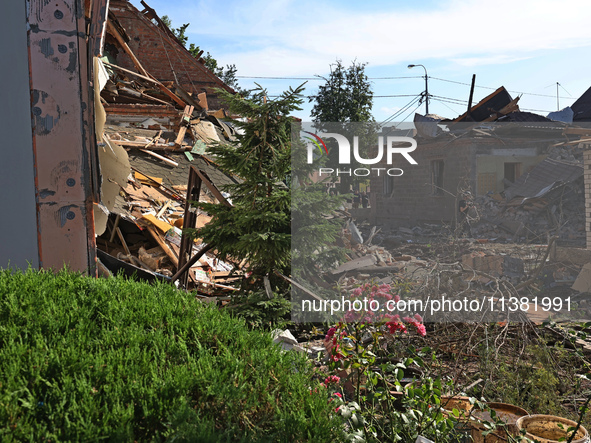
[85, 359]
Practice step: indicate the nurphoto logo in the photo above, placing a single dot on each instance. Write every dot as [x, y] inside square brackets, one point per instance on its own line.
[394, 145]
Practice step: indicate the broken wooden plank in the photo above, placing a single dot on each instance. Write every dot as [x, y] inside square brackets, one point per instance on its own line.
[164, 208]
[157, 137]
[172, 192]
[127, 71]
[191, 262]
[141, 145]
[123, 242]
[185, 121]
[145, 75]
[115, 226]
[156, 235]
[115, 33]
[363, 262]
[213, 188]
[160, 157]
[161, 225]
[300, 287]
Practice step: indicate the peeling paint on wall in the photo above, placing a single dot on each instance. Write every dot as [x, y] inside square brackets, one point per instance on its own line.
[46, 112]
[44, 193]
[64, 214]
[46, 49]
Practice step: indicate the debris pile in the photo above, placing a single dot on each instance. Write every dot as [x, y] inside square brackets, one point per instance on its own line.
[547, 201]
[154, 136]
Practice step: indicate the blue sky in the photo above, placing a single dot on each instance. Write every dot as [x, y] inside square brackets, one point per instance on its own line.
[526, 46]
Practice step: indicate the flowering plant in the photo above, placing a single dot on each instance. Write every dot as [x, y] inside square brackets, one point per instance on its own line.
[367, 369]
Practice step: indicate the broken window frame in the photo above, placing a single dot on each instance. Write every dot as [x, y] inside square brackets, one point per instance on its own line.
[388, 185]
[437, 170]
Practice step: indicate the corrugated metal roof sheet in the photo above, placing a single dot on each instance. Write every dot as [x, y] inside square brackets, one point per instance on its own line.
[546, 176]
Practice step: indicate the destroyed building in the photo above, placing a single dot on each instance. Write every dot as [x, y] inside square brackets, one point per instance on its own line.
[522, 171]
[159, 53]
[122, 116]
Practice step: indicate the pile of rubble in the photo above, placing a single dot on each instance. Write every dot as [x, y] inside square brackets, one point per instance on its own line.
[560, 213]
[153, 138]
[423, 266]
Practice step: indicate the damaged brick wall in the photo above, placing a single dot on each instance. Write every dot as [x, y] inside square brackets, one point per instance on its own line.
[412, 197]
[163, 57]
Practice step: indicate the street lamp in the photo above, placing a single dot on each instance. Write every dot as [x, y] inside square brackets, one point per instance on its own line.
[426, 87]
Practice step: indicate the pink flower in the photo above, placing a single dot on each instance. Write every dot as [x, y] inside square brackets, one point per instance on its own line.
[330, 333]
[419, 318]
[332, 379]
[394, 326]
[338, 394]
[421, 329]
[336, 357]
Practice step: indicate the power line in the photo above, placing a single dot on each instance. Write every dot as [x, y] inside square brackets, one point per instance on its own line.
[401, 110]
[448, 107]
[451, 100]
[488, 87]
[375, 96]
[319, 78]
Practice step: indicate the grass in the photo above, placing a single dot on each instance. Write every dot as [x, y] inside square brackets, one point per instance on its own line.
[85, 359]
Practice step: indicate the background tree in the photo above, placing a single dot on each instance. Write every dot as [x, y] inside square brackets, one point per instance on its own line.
[346, 97]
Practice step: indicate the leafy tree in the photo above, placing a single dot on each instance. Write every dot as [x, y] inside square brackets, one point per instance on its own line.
[346, 98]
[227, 74]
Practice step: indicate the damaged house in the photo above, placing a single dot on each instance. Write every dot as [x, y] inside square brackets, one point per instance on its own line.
[522, 171]
[122, 115]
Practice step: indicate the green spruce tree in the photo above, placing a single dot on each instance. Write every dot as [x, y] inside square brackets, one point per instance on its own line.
[257, 228]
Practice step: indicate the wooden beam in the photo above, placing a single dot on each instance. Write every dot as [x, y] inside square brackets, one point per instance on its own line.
[160, 157]
[142, 145]
[127, 71]
[191, 262]
[213, 188]
[139, 66]
[297, 285]
[189, 221]
[164, 246]
[126, 48]
[185, 121]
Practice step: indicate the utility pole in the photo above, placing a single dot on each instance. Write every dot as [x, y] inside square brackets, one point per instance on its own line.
[426, 87]
[471, 94]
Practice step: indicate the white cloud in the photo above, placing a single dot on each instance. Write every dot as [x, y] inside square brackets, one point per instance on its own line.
[390, 109]
[294, 38]
[484, 60]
